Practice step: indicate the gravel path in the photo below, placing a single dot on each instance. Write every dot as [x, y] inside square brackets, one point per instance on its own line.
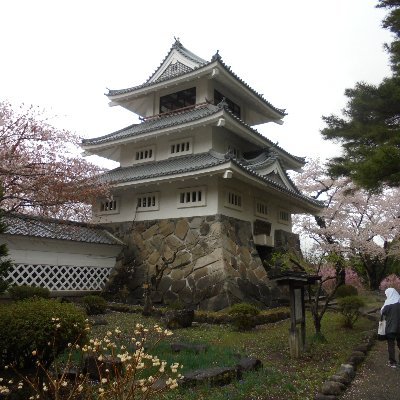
[374, 379]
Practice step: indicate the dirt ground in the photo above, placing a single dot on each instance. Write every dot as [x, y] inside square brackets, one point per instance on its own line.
[374, 379]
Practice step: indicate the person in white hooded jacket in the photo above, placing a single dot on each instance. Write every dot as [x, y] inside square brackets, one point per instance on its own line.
[391, 312]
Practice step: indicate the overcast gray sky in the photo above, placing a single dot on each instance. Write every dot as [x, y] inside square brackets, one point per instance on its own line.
[62, 55]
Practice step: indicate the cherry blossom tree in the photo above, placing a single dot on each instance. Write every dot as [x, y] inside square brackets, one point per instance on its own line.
[356, 225]
[41, 169]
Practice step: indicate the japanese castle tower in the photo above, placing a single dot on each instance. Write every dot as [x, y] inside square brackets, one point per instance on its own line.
[198, 190]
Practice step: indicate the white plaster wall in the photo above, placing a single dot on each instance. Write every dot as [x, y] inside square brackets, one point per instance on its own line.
[249, 196]
[201, 142]
[216, 188]
[168, 202]
[32, 250]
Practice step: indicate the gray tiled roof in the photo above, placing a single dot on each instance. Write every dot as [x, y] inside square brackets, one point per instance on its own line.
[161, 122]
[24, 225]
[192, 163]
[170, 166]
[178, 118]
[201, 64]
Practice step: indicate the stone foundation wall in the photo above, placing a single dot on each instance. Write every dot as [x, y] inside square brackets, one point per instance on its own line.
[212, 262]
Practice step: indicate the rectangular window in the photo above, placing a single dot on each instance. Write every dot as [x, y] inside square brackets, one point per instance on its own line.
[284, 217]
[178, 100]
[181, 147]
[147, 201]
[261, 209]
[144, 154]
[109, 206]
[192, 197]
[218, 97]
[233, 199]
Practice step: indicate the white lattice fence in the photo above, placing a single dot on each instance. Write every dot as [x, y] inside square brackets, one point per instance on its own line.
[59, 277]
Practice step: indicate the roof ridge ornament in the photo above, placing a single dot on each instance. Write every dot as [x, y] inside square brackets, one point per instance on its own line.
[177, 44]
[216, 57]
[223, 104]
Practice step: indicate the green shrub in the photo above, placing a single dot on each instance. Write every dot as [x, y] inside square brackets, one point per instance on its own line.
[38, 329]
[26, 292]
[243, 316]
[349, 307]
[94, 304]
[346, 290]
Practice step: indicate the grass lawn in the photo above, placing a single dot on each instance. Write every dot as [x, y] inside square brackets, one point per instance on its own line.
[281, 378]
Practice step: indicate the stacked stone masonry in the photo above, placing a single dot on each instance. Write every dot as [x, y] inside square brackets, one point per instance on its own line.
[215, 262]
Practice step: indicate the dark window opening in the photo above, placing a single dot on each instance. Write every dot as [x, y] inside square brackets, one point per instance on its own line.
[175, 101]
[231, 105]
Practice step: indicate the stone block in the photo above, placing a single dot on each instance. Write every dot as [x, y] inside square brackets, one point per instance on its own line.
[166, 227]
[349, 369]
[260, 273]
[153, 258]
[229, 245]
[165, 283]
[216, 303]
[157, 242]
[249, 364]
[186, 295]
[333, 388]
[199, 273]
[173, 242]
[208, 259]
[244, 254]
[175, 319]
[177, 286]
[356, 358]
[181, 229]
[215, 229]
[177, 274]
[195, 222]
[342, 378]
[191, 238]
[218, 376]
[150, 232]
[204, 229]
[364, 348]
[183, 258]
[196, 348]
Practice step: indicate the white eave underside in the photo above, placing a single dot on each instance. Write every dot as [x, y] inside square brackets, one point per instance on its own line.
[215, 71]
[298, 204]
[108, 149]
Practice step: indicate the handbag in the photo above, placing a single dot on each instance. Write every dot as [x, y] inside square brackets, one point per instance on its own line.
[382, 330]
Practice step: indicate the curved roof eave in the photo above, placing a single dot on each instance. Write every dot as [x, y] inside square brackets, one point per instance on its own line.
[299, 161]
[114, 94]
[214, 160]
[102, 141]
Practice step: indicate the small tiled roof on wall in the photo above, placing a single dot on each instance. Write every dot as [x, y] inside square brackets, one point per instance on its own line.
[48, 228]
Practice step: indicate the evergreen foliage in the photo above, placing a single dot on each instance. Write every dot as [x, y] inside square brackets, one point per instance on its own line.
[94, 304]
[369, 131]
[26, 292]
[38, 330]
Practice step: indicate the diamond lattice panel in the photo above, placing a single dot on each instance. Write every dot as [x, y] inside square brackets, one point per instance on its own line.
[59, 277]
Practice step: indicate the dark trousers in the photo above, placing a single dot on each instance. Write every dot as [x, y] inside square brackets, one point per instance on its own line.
[391, 338]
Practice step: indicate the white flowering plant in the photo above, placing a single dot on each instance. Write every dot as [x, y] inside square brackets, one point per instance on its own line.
[117, 372]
